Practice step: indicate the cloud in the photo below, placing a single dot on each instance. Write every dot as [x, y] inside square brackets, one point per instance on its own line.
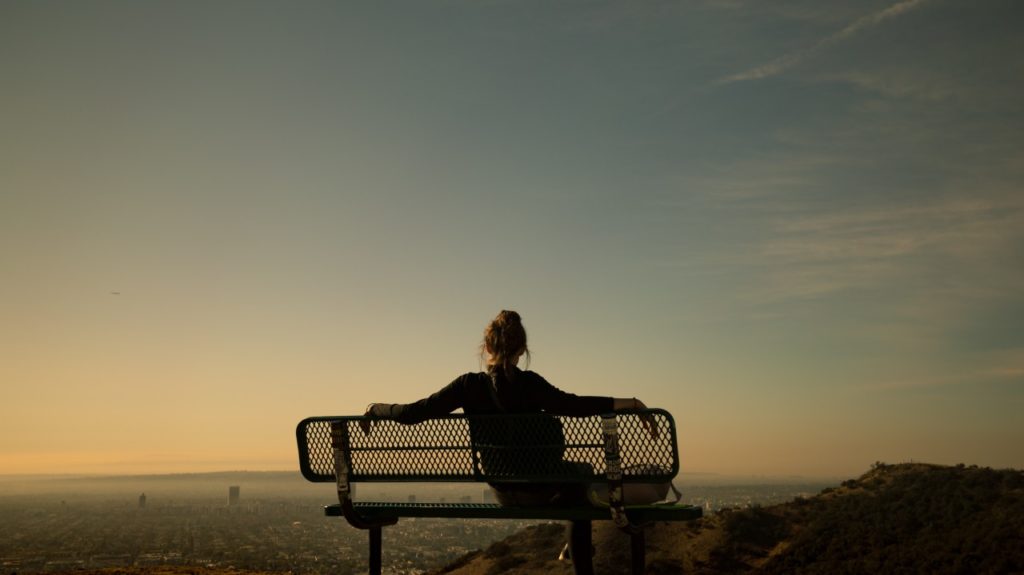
[1004, 367]
[952, 244]
[836, 250]
[787, 61]
[967, 378]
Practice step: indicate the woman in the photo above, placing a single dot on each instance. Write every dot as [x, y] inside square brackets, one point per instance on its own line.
[504, 388]
[515, 391]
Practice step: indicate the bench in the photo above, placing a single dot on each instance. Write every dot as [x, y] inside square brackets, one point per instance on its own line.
[503, 449]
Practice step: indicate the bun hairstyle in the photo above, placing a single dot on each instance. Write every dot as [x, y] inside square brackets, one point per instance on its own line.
[504, 342]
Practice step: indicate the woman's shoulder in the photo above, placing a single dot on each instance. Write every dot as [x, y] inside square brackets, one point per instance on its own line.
[532, 376]
[472, 377]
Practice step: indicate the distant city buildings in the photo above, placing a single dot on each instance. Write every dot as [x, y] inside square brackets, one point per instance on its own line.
[290, 534]
[279, 532]
[142, 501]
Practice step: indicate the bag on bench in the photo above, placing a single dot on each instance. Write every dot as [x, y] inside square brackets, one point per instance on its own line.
[637, 493]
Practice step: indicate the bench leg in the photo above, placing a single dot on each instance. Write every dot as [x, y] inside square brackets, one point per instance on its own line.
[637, 544]
[581, 547]
[375, 544]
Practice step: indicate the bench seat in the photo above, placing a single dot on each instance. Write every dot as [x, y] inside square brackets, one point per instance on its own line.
[637, 513]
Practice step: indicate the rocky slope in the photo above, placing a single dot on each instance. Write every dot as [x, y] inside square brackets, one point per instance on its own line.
[907, 518]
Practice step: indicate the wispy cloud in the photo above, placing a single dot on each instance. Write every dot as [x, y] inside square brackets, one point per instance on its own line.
[1004, 367]
[914, 83]
[954, 245]
[968, 378]
[820, 253]
[787, 61]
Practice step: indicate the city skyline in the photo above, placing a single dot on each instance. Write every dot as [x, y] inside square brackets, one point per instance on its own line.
[796, 227]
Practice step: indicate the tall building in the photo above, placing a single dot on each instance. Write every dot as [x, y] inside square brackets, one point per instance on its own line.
[233, 493]
[142, 501]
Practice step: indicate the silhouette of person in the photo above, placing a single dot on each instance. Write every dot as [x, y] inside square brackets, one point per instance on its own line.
[504, 388]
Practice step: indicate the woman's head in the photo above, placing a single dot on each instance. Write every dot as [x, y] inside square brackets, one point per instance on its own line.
[505, 341]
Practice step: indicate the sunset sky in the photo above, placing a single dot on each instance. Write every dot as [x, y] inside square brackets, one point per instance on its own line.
[797, 226]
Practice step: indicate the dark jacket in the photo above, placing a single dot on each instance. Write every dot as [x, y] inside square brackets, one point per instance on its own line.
[522, 392]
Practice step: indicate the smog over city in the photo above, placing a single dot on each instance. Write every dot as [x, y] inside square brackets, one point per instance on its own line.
[276, 524]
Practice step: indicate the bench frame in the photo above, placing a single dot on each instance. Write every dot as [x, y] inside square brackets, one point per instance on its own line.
[351, 459]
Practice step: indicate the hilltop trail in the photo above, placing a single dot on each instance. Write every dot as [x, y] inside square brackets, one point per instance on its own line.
[895, 518]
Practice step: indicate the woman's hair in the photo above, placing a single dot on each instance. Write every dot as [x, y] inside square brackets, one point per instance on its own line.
[504, 341]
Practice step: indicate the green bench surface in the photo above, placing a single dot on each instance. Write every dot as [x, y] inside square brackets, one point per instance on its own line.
[636, 513]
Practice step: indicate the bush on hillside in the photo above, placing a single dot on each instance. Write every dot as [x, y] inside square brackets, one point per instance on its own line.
[944, 520]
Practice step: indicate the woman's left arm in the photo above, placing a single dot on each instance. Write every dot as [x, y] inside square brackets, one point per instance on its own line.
[627, 403]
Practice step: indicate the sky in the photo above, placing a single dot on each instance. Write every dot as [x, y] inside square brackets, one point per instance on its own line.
[797, 226]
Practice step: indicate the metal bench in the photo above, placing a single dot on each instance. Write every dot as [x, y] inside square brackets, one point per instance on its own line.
[617, 449]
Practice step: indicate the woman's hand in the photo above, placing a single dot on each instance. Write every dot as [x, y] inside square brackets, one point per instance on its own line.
[364, 423]
[376, 411]
[647, 420]
[631, 404]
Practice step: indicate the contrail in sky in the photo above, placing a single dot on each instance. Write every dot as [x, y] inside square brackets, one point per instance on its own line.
[787, 61]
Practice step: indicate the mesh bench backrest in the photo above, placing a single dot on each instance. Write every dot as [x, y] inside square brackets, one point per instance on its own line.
[501, 448]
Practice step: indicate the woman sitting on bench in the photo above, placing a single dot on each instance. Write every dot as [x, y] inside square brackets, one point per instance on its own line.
[504, 388]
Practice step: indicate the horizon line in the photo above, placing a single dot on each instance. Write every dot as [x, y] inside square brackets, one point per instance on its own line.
[95, 475]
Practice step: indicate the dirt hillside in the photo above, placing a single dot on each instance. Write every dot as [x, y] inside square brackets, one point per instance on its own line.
[907, 518]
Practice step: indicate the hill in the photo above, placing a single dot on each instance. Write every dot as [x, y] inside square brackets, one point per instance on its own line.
[906, 518]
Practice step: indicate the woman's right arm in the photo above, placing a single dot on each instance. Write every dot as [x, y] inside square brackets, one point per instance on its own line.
[445, 401]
